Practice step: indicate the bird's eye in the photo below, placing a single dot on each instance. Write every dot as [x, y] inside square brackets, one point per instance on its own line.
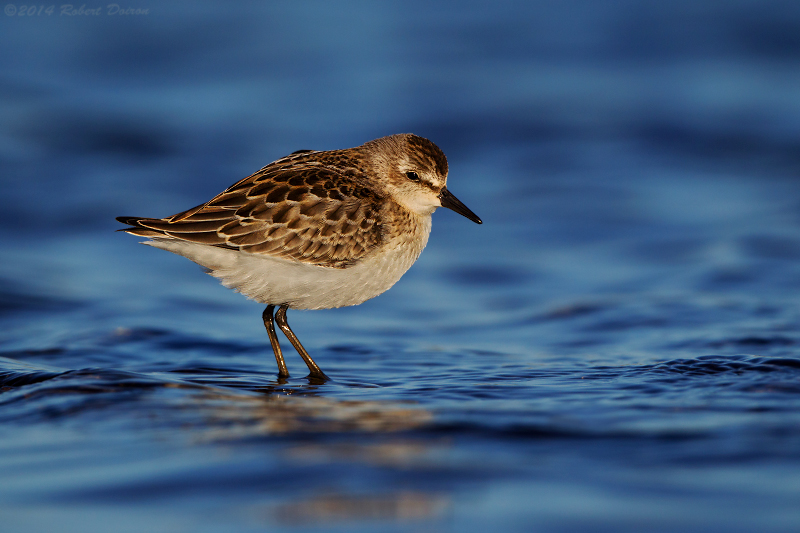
[412, 175]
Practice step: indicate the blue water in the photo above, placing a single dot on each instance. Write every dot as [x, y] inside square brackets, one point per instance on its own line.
[616, 348]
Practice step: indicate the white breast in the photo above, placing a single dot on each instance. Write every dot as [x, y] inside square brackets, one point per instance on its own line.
[273, 280]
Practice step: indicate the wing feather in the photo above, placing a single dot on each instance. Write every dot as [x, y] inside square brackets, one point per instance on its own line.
[295, 209]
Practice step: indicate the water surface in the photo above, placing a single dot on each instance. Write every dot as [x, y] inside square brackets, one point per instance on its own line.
[614, 349]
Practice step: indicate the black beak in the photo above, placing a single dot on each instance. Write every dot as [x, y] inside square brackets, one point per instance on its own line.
[451, 202]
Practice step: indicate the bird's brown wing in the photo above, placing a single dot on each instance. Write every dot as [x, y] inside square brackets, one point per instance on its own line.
[303, 211]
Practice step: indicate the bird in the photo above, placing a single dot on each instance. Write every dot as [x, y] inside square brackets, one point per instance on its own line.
[314, 229]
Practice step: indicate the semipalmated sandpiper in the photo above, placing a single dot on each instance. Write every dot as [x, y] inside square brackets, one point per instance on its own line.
[315, 230]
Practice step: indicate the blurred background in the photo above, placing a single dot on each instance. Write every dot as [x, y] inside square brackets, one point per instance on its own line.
[615, 347]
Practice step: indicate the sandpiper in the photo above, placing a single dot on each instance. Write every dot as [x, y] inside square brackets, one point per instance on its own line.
[315, 229]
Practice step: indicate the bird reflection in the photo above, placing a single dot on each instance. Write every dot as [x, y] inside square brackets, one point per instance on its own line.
[330, 508]
[301, 413]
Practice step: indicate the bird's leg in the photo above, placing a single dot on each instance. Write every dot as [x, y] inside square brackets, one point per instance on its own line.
[283, 372]
[280, 318]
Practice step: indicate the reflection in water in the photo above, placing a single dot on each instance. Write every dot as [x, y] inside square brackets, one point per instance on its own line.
[400, 506]
[396, 453]
[214, 411]
[279, 414]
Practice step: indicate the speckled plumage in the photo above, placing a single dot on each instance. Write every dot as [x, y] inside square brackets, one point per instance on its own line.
[316, 229]
[302, 207]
